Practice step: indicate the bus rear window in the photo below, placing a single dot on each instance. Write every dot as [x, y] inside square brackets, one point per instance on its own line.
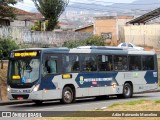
[147, 62]
[134, 62]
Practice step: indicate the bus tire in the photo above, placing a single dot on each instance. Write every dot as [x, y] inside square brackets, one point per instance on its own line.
[67, 95]
[127, 90]
[38, 102]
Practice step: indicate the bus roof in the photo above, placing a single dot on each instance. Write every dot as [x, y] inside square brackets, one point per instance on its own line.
[92, 49]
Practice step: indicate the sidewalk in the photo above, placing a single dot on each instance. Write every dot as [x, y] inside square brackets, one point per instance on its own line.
[12, 102]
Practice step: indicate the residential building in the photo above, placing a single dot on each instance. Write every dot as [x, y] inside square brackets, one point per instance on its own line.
[111, 27]
[144, 30]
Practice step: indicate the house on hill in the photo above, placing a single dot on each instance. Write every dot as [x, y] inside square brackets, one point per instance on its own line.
[23, 19]
[110, 27]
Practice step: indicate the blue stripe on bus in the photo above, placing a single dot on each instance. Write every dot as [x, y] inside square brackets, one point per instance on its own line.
[93, 80]
[46, 83]
[151, 77]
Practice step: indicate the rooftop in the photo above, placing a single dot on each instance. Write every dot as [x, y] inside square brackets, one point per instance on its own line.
[146, 17]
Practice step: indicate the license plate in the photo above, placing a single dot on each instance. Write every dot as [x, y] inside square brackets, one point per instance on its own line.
[19, 98]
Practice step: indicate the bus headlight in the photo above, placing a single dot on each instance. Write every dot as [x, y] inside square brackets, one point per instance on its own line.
[8, 89]
[114, 85]
[36, 88]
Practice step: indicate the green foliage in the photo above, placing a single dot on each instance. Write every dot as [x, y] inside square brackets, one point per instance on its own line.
[6, 10]
[36, 27]
[115, 105]
[51, 10]
[136, 102]
[6, 46]
[157, 101]
[94, 40]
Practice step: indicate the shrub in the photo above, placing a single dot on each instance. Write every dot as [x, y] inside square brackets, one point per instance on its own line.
[91, 41]
[6, 46]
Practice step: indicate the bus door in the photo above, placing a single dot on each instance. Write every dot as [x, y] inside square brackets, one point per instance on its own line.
[49, 69]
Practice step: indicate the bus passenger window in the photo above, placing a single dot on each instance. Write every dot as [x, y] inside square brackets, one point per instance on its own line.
[70, 63]
[50, 66]
[134, 62]
[105, 63]
[147, 62]
[120, 63]
[89, 63]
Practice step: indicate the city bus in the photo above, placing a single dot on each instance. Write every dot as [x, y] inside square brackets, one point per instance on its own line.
[45, 74]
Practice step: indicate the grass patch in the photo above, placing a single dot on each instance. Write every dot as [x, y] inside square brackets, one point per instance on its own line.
[138, 105]
[157, 101]
[114, 105]
[136, 102]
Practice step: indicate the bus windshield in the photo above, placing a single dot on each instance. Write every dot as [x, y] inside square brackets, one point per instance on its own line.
[24, 70]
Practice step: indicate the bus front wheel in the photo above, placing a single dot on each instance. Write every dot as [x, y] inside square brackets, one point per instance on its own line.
[67, 95]
[127, 90]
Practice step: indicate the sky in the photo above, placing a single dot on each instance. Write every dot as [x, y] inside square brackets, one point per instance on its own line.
[29, 5]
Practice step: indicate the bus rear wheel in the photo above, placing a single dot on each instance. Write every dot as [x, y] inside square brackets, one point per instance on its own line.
[67, 95]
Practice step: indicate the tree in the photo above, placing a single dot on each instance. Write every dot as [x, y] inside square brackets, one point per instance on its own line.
[51, 10]
[93, 40]
[6, 46]
[5, 9]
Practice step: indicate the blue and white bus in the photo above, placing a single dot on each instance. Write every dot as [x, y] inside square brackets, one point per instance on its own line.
[44, 74]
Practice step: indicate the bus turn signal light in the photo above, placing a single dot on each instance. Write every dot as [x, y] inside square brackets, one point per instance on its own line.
[16, 77]
[66, 76]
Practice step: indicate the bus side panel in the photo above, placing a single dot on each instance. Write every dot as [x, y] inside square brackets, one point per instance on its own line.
[96, 84]
[141, 80]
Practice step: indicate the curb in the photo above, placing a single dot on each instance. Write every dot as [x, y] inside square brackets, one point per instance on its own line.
[14, 102]
[151, 91]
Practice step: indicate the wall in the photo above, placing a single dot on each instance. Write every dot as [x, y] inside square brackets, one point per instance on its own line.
[24, 36]
[106, 26]
[143, 35]
[112, 24]
[120, 24]
[4, 22]
[17, 23]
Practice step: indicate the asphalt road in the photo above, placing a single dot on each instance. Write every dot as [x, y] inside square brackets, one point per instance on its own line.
[80, 105]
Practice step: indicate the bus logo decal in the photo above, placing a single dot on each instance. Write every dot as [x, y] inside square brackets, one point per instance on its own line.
[81, 80]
